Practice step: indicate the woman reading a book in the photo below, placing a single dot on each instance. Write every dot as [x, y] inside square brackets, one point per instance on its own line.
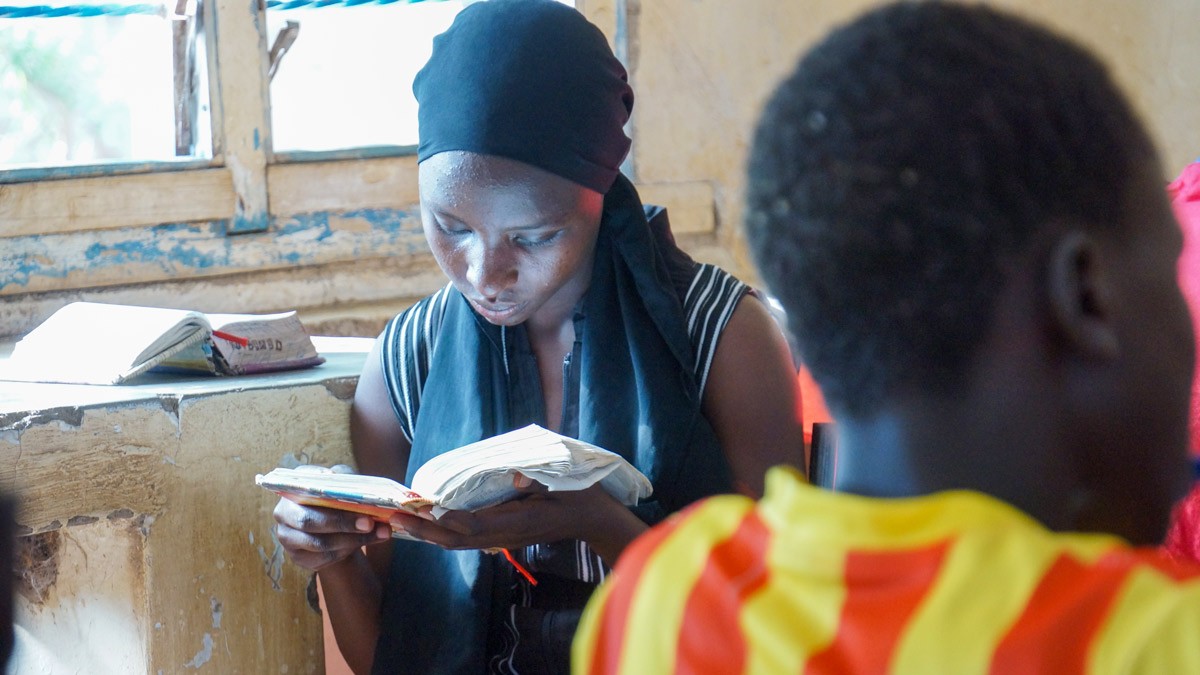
[570, 306]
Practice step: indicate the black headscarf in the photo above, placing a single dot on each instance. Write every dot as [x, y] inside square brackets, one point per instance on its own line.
[530, 80]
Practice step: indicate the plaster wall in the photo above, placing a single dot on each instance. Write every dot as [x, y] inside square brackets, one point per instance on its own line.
[80, 601]
[702, 69]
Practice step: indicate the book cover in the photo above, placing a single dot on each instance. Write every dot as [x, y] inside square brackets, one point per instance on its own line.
[374, 496]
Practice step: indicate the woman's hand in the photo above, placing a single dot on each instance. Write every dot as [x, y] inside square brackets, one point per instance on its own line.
[539, 516]
[315, 537]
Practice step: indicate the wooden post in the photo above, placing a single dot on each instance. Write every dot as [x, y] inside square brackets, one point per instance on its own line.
[241, 110]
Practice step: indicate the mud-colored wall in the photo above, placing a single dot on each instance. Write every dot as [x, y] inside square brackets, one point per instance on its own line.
[702, 69]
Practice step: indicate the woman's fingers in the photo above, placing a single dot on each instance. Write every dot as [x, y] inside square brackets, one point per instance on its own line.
[537, 518]
[295, 541]
[316, 537]
[318, 520]
[315, 551]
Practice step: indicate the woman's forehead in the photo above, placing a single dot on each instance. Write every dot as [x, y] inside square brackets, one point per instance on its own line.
[450, 174]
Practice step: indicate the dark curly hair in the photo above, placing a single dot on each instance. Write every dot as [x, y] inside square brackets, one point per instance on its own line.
[908, 156]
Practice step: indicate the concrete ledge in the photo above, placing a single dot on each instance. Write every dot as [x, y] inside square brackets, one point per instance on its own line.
[147, 546]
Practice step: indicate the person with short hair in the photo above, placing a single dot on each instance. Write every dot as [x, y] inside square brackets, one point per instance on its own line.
[966, 225]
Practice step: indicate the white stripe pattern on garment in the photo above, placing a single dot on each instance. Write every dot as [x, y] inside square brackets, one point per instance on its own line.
[408, 344]
[710, 302]
[502, 663]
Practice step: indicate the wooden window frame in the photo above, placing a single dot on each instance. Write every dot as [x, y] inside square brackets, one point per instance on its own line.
[249, 230]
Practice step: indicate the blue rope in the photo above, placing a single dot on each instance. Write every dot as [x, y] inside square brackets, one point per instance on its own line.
[46, 11]
[298, 4]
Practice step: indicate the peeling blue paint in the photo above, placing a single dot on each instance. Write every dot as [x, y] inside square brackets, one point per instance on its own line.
[257, 141]
[21, 270]
[204, 655]
[390, 220]
[182, 253]
[249, 222]
[273, 564]
[177, 248]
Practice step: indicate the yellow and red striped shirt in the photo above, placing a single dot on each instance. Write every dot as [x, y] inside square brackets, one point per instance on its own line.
[811, 581]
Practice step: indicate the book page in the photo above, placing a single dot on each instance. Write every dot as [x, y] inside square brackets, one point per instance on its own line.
[195, 359]
[469, 478]
[95, 343]
[480, 474]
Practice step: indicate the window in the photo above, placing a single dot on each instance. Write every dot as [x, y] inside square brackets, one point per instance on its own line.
[343, 74]
[346, 80]
[95, 89]
[152, 218]
[116, 83]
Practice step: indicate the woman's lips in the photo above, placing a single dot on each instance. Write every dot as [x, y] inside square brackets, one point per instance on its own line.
[495, 313]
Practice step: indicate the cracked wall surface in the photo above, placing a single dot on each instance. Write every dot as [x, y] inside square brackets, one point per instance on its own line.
[147, 546]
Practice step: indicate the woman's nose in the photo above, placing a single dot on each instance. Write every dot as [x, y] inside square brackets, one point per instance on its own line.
[491, 271]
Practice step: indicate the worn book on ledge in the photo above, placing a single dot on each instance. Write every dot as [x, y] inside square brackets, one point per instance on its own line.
[472, 477]
[95, 343]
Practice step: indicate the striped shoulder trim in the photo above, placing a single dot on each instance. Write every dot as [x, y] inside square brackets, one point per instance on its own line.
[709, 303]
[408, 343]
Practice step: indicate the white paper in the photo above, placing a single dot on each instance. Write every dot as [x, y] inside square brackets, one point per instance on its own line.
[481, 474]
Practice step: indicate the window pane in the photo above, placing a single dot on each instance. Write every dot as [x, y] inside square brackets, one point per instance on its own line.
[85, 90]
[347, 79]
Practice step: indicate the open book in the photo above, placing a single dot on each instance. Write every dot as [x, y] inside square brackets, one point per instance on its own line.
[95, 343]
[469, 478]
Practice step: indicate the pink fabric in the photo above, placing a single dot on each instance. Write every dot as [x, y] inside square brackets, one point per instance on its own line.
[1183, 538]
[1185, 198]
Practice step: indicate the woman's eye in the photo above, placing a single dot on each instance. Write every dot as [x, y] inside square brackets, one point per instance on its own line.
[451, 230]
[537, 240]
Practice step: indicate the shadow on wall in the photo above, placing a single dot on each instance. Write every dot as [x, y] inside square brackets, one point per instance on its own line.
[7, 544]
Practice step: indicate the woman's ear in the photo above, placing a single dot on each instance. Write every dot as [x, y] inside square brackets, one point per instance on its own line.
[1081, 297]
